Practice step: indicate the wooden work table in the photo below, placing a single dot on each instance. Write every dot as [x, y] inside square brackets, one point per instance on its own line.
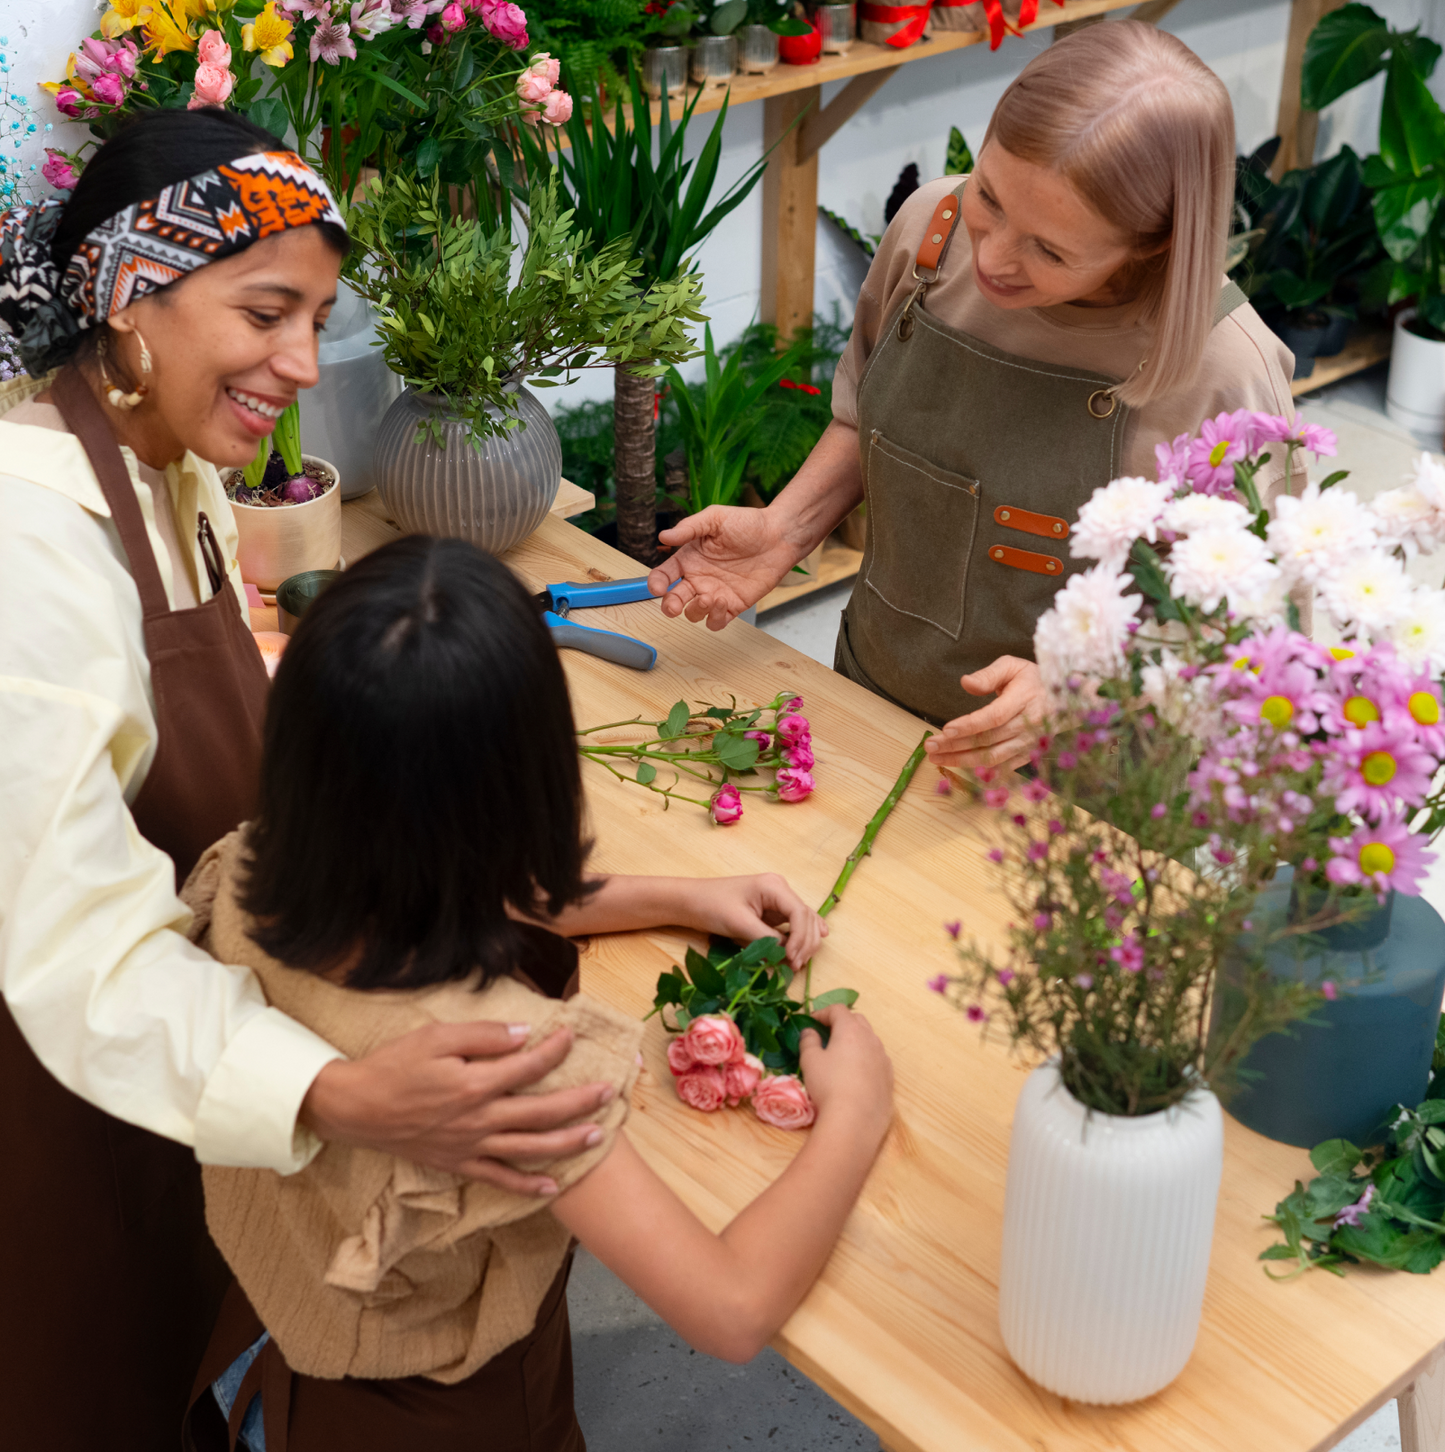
[902, 1328]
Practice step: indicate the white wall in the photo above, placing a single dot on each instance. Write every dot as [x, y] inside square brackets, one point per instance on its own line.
[907, 120]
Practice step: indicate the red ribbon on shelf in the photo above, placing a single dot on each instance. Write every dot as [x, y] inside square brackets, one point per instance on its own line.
[915, 15]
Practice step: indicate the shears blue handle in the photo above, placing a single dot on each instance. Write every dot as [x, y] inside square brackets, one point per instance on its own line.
[605, 592]
[608, 645]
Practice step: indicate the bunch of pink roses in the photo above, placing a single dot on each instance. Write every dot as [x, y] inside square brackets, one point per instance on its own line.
[536, 89]
[711, 1066]
[100, 74]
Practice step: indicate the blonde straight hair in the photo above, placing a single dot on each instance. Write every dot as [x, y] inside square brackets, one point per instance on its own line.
[1144, 131]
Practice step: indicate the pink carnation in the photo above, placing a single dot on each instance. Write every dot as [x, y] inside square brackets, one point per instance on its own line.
[742, 1077]
[714, 1039]
[679, 1057]
[782, 1101]
[794, 784]
[702, 1088]
[213, 86]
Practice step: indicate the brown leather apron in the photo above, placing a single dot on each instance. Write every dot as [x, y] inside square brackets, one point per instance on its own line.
[520, 1401]
[975, 464]
[111, 1284]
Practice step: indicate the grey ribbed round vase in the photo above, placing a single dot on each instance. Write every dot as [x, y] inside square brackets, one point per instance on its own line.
[494, 495]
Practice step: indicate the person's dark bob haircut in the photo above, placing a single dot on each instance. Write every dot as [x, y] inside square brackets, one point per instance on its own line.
[155, 150]
[420, 775]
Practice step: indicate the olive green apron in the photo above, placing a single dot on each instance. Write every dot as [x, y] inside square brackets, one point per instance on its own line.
[975, 463]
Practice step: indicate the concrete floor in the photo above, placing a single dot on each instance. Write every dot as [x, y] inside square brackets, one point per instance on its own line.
[639, 1386]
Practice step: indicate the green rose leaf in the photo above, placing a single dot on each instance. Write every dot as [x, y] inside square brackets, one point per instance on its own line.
[676, 722]
[646, 773]
[704, 974]
[846, 996]
[734, 752]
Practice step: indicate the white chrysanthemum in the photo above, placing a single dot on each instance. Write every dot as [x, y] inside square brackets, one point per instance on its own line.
[1413, 516]
[1196, 512]
[1371, 591]
[1206, 567]
[1267, 604]
[1316, 531]
[1419, 634]
[1085, 631]
[1115, 516]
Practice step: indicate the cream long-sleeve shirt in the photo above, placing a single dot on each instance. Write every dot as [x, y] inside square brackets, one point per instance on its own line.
[94, 964]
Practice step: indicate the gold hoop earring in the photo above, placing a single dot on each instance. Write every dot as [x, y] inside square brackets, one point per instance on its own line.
[113, 395]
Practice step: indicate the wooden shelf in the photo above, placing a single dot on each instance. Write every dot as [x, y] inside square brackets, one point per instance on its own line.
[839, 563]
[1367, 346]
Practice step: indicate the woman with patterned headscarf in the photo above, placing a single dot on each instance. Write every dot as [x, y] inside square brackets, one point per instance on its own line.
[167, 313]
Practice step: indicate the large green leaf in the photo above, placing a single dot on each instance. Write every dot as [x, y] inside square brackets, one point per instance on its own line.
[1345, 49]
[1412, 126]
[1404, 213]
[1333, 192]
[1299, 292]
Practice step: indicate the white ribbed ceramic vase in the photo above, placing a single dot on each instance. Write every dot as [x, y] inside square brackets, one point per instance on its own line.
[1107, 1228]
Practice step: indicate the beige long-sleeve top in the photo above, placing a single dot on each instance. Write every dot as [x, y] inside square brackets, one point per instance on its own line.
[94, 963]
[1244, 364]
[367, 1265]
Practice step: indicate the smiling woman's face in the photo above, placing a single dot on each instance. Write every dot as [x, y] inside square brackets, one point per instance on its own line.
[231, 345]
[1036, 241]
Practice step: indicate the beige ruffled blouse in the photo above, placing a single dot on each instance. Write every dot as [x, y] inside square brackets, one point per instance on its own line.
[367, 1265]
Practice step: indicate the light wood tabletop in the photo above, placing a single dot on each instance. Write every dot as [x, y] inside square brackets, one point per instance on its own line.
[902, 1327]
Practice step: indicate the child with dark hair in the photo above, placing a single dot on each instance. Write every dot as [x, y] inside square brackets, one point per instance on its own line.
[418, 859]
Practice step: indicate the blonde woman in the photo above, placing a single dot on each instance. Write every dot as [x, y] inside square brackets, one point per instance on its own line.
[1003, 369]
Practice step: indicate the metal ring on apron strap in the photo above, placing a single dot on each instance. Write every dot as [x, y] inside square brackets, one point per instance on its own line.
[1111, 402]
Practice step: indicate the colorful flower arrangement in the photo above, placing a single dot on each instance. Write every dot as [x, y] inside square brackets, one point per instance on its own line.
[737, 1030]
[357, 82]
[713, 745]
[1191, 712]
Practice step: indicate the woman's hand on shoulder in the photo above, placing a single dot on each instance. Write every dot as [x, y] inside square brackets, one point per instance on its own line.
[852, 1077]
[1001, 734]
[744, 908]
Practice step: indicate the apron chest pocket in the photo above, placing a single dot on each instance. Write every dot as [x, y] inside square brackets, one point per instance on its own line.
[921, 523]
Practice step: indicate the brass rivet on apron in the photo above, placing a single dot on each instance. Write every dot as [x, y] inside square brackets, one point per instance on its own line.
[1002, 514]
[947, 215]
[938, 237]
[1058, 529]
[1110, 402]
[998, 554]
[1051, 566]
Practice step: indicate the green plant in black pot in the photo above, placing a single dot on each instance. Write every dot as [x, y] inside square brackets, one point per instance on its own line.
[1315, 251]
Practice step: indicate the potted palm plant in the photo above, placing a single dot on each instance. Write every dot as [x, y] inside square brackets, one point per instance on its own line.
[468, 448]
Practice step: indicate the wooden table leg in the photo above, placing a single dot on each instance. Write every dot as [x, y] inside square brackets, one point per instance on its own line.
[1422, 1411]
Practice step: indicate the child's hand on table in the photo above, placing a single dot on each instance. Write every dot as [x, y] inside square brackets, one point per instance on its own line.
[744, 908]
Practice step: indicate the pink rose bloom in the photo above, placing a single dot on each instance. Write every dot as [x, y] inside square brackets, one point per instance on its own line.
[545, 65]
[742, 1078]
[558, 110]
[782, 1101]
[69, 101]
[800, 755]
[679, 1057]
[506, 23]
[761, 737]
[109, 89]
[213, 86]
[702, 1088]
[726, 805]
[794, 704]
[794, 784]
[213, 50]
[532, 88]
[454, 18]
[714, 1039]
[793, 727]
[58, 170]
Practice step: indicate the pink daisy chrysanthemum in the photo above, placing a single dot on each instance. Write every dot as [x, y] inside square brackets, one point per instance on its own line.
[1384, 856]
[1378, 769]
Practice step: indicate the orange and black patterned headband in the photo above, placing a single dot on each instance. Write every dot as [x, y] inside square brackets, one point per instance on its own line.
[148, 246]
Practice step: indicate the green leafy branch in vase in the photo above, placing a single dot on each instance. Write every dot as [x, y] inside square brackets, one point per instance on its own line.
[705, 748]
[737, 1030]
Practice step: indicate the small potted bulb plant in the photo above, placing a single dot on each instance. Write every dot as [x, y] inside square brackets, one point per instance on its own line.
[287, 507]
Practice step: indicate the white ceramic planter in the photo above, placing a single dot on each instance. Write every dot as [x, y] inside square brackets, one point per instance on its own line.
[1107, 1229]
[278, 542]
[341, 415]
[1415, 393]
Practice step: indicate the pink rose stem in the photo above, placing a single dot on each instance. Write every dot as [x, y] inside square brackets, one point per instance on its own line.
[864, 847]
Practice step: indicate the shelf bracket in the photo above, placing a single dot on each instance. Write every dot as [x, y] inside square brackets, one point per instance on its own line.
[820, 126]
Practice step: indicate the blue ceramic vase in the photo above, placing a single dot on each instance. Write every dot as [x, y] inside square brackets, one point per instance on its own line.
[1340, 1074]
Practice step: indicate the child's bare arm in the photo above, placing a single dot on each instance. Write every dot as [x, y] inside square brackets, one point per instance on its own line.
[728, 1294]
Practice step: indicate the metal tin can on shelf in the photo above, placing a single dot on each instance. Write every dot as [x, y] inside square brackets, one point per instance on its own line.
[836, 23]
[714, 59]
[664, 68]
[759, 47]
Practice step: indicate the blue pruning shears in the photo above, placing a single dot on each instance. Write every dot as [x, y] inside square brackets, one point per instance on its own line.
[557, 602]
